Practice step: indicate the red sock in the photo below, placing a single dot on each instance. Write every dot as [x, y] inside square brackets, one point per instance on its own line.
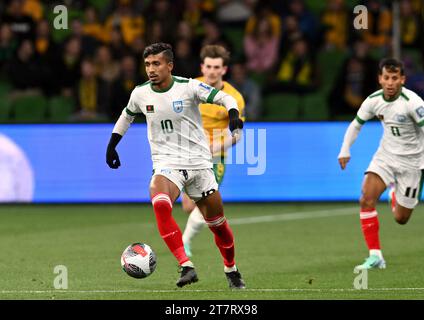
[168, 228]
[224, 238]
[370, 227]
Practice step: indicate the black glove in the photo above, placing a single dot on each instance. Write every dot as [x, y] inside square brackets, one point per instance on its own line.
[235, 121]
[112, 158]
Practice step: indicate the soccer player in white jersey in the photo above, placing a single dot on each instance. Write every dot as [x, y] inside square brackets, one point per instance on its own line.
[180, 154]
[399, 158]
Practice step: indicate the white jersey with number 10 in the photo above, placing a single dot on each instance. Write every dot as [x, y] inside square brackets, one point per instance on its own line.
[175, 132]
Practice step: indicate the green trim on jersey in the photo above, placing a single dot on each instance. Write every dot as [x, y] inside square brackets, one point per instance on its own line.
[212, 95]
[405, 96]
[421, 123]
[132, 114]
[180, 80]
[143, 84]
[360, 120]
[378, 93]
[163, 90]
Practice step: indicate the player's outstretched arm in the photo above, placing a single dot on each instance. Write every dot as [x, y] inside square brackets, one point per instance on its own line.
[349, 138]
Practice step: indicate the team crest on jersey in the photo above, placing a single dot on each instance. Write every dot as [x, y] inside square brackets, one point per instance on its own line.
[400, 118]
[420, 111]
[178, 106]
[150, 108]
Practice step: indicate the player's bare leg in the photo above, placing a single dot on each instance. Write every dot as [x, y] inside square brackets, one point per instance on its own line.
[402, 214]
[213, 211]
[195, 222]
[163, 193]
[372, 188]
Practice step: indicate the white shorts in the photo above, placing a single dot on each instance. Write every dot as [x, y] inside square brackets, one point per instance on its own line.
[197, 184]
[407, 181]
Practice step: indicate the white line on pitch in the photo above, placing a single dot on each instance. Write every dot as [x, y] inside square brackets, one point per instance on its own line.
[206, 290]
[295, 216]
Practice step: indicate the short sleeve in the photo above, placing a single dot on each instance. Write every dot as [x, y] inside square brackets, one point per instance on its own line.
[132, 109]
[366, 111]
[417, 111]
[205, 93]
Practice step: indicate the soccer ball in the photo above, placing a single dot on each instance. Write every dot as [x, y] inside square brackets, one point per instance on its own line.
[138, 260]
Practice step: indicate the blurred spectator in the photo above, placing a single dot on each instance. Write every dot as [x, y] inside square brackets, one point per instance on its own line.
[88, 43]
[410, 25]
[89, 94]
[335, 20]
[117, 44]
[69, 66]
[355, 81]
[128, 22]
[234, 13]
[185, 32]
[22, 25]
[34, 9]
[47, 52]
[185, 63]
[128, 79]
[136, 50]
[107, 68]
[261, 47]
[308, 23]
[163, 13]
[194, 12]
[379, 26]
[23, 70]
[8, 45]
[250, 91]
[296, 71]
[213, 35]
[291, 33]
[92, 26]
[262, 12]
[155, 32]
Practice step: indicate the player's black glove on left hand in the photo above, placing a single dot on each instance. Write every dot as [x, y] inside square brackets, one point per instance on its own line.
[235, 121]
[112, 158]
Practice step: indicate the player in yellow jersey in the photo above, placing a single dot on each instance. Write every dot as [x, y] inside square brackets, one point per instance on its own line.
[214, 65]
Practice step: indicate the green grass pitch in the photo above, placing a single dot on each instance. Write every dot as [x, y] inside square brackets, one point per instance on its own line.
[284, 251]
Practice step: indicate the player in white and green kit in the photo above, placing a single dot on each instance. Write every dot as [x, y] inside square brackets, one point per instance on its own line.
[180, 154]
[399, 160]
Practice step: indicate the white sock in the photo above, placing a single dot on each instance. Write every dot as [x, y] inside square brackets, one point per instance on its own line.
[227, 269]
[377, 253]
[195, 223]
[188, 264]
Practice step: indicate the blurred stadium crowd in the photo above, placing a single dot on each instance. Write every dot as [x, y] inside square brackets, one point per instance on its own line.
[292, 60]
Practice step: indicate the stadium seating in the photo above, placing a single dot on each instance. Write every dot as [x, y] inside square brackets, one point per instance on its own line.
[29, 108]
[60, 108]
[329, 63]
[314, 107]
[282, 106]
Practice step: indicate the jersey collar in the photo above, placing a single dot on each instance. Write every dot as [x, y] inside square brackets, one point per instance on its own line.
[165, 89]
